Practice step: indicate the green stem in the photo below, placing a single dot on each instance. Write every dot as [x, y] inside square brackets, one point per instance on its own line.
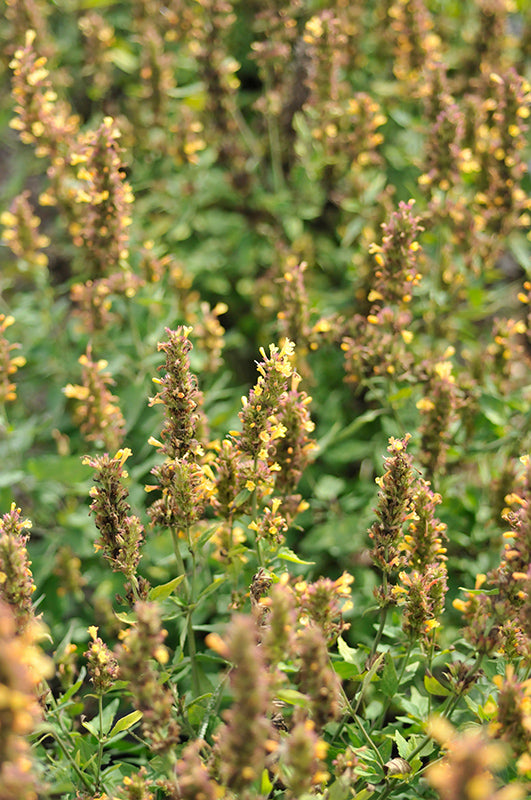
[101, 744]
[274, 145]
[66, 751]
[254, 514]
[190, 601]
[77, 769]
[364, 733]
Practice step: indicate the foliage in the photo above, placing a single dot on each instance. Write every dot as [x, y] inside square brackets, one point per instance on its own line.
[216, 587]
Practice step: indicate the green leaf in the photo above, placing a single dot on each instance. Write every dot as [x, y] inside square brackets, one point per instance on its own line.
[125, 723]
[165, 589]
[433, 686]
[72, 690]
[127, 617]
[402, 745]
[286, 554]
[93, 729]
[265, 784]
[213, 586]
[479, 591]
[292, 697]
[349, 654]
[240, 498]
[389, 679]
[108, 715]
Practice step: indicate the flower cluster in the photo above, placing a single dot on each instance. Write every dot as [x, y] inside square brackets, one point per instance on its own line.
[120, 534]
[209, 333]
[271, 525]
[395, 508]
[42, 120]
[22, 667]
[97, 411]
[422, 588]
[9, 364]
[294, 450]
[22, 237]
[498, 617]
[443, 149]
[243, 741]
[438, 408]
[93, 299]
[142, 645]
[28, 16]
[349, 140]
[134, 787]
[506, 350]
[416, 45]
[501, 203]
[157, 73]
[260, 424]
[192, 779]
[180, 397]
[185, 484]
[208, 45]
[376, 343]
[103, 196]
[186, 487]
[67, 568]
[512, 716]
[101, 663]
[489, 43]
[16, 580]
[293, 318]
[323, 603]
[98, 39]
[316, 677]
[302, 756]
[466, 771]
[282, 64]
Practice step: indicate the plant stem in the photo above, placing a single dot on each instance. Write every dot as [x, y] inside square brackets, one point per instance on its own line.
[101, 744]
[66, 752]
[190, 601]
[274, 144]
[361, 727]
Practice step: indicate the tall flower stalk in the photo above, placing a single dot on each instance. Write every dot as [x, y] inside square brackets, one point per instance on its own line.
[183, 481]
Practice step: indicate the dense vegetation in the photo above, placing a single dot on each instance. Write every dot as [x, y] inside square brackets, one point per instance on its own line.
[265, 340]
